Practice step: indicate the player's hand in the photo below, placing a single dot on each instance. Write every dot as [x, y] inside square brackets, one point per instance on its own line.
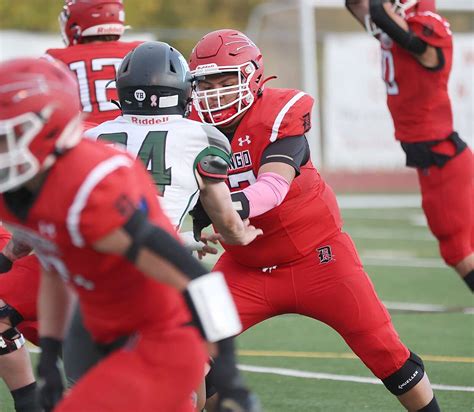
[207, 248]
[50, 382]
[247, 234]
[239, 400]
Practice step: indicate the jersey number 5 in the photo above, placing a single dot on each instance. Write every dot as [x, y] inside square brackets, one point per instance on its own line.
[151, 153]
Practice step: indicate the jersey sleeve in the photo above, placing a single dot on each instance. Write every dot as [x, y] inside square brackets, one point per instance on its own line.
[294, 118]
[108, 198]
[431, 28]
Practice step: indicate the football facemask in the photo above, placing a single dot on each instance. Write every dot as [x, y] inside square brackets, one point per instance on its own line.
[221, 105]
[18, 165]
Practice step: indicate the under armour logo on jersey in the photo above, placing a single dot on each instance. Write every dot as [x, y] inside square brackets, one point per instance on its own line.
[243, 140]
[324, 254]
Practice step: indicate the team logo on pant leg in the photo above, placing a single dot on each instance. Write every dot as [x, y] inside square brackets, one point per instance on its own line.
[324, 254]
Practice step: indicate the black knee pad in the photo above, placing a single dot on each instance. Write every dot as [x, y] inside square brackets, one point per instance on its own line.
[10, 341]
[406, 377]
[11, 313]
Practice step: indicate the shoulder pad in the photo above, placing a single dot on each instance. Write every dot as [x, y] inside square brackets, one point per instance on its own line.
[431, 28]
[216, 138]
[294, 118]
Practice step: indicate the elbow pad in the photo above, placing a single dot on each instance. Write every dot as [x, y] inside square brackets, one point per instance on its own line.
[212, 307]
[212, 167]
[406, 39]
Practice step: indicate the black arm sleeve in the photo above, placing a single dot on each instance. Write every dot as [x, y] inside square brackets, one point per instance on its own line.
[146, 234]
[293, 151]
[406, 39]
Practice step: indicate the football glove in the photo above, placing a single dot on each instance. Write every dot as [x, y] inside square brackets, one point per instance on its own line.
[200, 220]
[50, 382]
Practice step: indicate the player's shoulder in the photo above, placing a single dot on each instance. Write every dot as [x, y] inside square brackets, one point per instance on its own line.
[284, 112]
[93, 50]
[110, 126]
[56, 53]
[212, 136]
[431, 27]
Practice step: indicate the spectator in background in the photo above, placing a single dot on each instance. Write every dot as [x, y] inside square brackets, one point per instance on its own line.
[416, 63]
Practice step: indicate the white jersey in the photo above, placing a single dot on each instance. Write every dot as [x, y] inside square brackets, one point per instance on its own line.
[171, 148]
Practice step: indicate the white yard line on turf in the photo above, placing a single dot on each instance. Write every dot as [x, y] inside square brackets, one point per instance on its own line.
[371, 201]
[345, 378]
[398, 261]
[390, 234]
[426, 308]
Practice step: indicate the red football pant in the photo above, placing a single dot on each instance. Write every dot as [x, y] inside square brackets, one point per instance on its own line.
[329, 285]
[447, 200]
[19, 288]
[158, 373]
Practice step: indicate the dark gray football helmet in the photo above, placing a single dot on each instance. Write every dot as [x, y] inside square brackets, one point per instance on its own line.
[154, 79]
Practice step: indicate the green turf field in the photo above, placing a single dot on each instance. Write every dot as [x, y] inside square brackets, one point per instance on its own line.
[402, 259]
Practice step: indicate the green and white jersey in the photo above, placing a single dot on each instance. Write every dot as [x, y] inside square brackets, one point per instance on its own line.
[171, 147]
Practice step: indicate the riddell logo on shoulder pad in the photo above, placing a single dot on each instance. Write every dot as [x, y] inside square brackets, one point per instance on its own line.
[149, 120]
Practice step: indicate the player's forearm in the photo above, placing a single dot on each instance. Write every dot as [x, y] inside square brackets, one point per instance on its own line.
[384, 16]
[15, 249]
[162, 270]
[153, 251]
[55, 302]
[216, 200]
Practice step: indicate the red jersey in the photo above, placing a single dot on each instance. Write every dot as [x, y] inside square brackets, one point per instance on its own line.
[309, 213]
[95, 65]
[418, 97]
[102, 188]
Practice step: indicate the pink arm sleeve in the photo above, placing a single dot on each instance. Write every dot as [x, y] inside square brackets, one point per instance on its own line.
[266, 193]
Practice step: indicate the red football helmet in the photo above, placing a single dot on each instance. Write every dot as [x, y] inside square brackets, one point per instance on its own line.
[82, 18]
[40, 116]
[405, 7]
[226, 52]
